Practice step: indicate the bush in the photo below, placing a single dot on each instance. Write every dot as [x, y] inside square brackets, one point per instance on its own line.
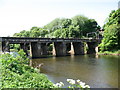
[111, 35]
[118, 52]
[17, 74]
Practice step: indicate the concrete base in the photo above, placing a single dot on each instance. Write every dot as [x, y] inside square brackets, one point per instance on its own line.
[5, 47]
[92, 47]
[77, 48]
[25, 47]
[59, 49]
[38, 49]
[68, 49]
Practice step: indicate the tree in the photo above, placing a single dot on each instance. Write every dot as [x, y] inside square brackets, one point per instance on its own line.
[53, 25]
[43, 32]
[23, 33]
[111, 35]
[76, 27]
[84, 25]
[34, 32]
[65, 23]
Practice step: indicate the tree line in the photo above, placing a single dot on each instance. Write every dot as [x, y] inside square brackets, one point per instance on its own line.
[76, 27]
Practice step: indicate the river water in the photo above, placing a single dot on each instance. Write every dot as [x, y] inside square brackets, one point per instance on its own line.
[97, 71]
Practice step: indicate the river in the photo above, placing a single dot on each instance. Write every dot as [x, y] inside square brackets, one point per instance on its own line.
[97, 71]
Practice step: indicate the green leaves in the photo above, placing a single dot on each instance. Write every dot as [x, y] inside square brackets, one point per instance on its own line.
[111, 38]
[76, 27]
[17, 74]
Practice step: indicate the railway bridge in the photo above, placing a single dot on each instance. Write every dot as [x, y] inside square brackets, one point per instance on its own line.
[61, 46]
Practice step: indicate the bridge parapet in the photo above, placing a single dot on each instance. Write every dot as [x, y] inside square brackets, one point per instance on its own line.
[28, 40]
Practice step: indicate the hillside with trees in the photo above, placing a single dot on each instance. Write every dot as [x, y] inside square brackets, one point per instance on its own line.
[76, 27]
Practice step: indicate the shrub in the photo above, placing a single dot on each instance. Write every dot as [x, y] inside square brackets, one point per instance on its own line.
[17, 74]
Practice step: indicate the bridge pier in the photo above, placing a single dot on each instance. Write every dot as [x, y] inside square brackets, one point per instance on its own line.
[68, 48]
[25, 47]
[5, 47]
[38, 49]
[77, 48]
[59, 49]
[92, 47]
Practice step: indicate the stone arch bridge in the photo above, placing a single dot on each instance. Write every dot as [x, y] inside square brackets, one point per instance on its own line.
[39, 46]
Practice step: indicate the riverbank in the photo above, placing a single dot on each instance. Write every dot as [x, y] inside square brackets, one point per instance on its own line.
[16, 73]
[117, 53]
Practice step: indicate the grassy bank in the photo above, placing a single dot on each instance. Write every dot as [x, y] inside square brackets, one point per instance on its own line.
[109, 53]
[16, 73]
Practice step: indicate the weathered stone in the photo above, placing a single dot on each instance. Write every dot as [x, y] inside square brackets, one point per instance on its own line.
[38, 49]
[61, 46]
[91, 47]
[77, 48]
[5, 47]
[25, 47]
[59, 49]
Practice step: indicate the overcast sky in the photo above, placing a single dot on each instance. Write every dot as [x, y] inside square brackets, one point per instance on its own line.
[18, 15]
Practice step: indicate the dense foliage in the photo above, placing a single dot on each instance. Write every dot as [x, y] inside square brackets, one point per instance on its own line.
[34, 32]
[17, 74]
[111, 40]
[76, 27]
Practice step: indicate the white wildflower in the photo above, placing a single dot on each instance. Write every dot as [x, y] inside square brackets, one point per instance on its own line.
[59, 84]
[87, 86]
[71, 81]
[68, 80]
[78, 81]
[82, 84]
[62, 83]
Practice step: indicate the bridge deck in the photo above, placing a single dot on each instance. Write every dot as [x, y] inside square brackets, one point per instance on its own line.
[13, 40]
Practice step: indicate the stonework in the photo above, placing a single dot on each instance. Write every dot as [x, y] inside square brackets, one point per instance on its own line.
[38, 47]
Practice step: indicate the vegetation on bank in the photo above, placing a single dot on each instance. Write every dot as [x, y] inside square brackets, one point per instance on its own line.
[16, 73]
[110, 52]
[111, 37]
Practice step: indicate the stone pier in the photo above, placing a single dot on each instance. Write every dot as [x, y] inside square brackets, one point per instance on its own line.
[59, 49]
[5, 47]
[92, 47]
[38, 49]
[25, 47]
[77, 48]
[68, 48]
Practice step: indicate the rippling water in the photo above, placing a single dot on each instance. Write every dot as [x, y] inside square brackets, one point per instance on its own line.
[97, 71]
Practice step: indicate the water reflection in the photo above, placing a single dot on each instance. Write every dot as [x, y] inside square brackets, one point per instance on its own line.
[97, 71]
